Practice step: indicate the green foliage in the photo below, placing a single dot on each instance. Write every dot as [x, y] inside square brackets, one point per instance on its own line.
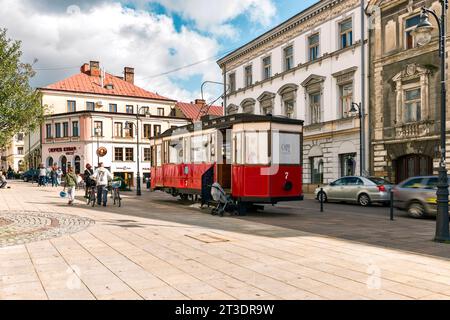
[20, 104]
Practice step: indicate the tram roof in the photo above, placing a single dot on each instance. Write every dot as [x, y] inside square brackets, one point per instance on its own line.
[211, 122]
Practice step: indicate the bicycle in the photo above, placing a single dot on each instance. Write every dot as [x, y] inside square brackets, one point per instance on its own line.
[92, 196]
[115, 185]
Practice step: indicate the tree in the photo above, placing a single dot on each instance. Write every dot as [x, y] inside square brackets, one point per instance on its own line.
[20, 104]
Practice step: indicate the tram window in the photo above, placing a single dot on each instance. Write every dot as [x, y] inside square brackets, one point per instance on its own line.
[256, 147]
[187, 150]
[158, 155]
[238, 148]
[176, 151]
[285, 148]
[200, 147]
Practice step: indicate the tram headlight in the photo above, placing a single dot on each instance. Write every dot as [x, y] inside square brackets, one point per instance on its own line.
[288, 186]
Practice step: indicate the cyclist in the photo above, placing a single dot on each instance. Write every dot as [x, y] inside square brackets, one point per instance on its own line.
[87, 179]
[102, 176]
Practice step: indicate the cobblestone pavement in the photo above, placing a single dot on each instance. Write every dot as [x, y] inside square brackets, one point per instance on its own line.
[27, 226]
[156, 248]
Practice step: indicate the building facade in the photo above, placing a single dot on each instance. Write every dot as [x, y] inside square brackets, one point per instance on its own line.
[405, 92]
[95, 110]
[308, 68]
[12, 155]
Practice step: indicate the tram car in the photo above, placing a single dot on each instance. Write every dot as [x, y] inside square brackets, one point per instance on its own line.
[256, 159]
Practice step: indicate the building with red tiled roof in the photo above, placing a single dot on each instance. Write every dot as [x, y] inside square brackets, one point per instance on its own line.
[192, 110]
[92, 110]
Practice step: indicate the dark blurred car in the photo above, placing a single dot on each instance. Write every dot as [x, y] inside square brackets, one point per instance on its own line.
[30, 175]
[417, 196]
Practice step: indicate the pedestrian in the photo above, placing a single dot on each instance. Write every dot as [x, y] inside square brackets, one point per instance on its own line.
[54, 176]
[10, 173]
[102, 177]
[3, 181]
[89, 183]
[59, 174]
[42, 175]
[70, 182]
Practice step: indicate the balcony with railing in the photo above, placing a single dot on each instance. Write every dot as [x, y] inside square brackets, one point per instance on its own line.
[411, 130]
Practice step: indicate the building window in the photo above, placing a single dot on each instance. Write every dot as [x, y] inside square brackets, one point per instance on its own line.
[118, 154]
[147, 131]
[57, 130]
[412, 105]
[129, 154]
[98, 128]
[118, 129]
[288, 95]
[65, 129]
[145, 110]
[48, 130]
[129, 130]
[71, 106]
[346, 34]
[232, 82]
[345, 99]
[288, 58]
[248, 76]
[19, 137]
[410, 25]
[313, 45]
[316, 164]
[314, 105]
[90, 106]
[232, 109]
[348, 164]
[113, 107]
[20, 151]
[267, 67]
[130, 109]
[248, 106]
[289, 108]
[147, 154]
[161, 112]
[75, 129]
[156, 130]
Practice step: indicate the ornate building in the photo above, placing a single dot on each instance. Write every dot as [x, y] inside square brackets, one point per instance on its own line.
[308, 68]
[404, 92]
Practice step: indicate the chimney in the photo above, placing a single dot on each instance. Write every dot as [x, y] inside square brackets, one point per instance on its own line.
[200, 102]
[85, 68]
[129, 75]
[95, 68]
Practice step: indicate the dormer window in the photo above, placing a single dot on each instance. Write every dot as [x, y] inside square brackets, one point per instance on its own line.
[109, 86]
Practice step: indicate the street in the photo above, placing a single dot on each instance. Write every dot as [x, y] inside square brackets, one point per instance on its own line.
[157, 247]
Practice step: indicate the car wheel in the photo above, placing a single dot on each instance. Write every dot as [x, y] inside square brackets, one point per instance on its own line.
[416, 210]
[364, 200]
[324, 195]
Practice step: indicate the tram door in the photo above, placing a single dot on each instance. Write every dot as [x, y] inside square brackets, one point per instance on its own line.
[224, 166]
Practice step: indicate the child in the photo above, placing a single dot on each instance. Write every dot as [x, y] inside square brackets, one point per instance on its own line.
[70, 183]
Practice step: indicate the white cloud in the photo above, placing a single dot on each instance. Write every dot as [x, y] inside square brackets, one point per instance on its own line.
[212, 16]
[117, 37]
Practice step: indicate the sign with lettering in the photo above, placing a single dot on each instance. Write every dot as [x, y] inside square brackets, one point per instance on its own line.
[65, 149]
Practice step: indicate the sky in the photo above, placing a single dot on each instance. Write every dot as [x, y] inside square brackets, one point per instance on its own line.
[172, 44]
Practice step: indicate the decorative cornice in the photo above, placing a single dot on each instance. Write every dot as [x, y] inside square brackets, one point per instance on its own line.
[311, 17]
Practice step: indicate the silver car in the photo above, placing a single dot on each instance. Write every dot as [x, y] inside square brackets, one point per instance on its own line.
[362, 190]
[417, 196]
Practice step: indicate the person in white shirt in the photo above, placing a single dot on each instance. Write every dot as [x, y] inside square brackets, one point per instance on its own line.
[3, 181]
[42, 175]
[102, 176]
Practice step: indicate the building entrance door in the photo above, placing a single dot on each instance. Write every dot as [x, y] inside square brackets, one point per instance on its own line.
[413, 165]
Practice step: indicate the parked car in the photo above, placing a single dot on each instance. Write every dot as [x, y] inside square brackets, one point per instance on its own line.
[362, 190]
[30, 175]
[417, 196]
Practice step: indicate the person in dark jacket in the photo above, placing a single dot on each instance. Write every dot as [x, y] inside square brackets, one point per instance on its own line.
[87, 179]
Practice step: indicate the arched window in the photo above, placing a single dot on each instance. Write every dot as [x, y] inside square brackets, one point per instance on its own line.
[266, 101]
[77, 165]
[248, 106]
[63, 162]
[232, 109]
[50, 162]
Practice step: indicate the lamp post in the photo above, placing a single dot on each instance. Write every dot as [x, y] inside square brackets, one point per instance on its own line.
[423, 36]
[138, 176]
[356, 107]
[98, 131]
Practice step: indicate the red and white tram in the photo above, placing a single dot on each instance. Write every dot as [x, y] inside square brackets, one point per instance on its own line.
[256, 159]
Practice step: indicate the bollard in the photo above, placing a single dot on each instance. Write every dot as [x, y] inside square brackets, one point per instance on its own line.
[321, 199]
[392, 205]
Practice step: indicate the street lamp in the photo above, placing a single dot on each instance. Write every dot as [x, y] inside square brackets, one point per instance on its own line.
[98, 131]
[138, 177]
[423, 36]
[357, 108]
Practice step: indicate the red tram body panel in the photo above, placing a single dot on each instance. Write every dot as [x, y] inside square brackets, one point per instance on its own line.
[256, 159]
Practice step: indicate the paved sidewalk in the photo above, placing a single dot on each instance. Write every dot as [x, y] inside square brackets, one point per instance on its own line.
[155, 248]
